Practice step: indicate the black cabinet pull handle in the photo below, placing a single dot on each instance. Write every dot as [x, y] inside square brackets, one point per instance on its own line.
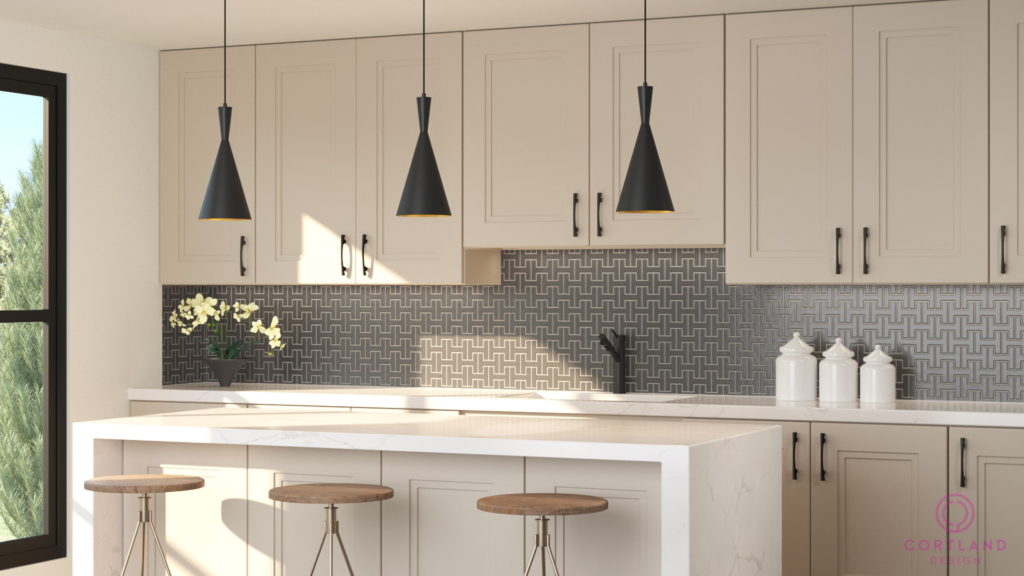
[839, 267]
[822, 456]
[365, 268]
[575, 202]
[344, 244]
[600, 199]
[1002, 249]
[241, 262]
[963, 473]
[865, 249]
[794, 455]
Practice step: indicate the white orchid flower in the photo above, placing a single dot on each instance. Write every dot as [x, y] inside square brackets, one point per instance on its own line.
[257, 326]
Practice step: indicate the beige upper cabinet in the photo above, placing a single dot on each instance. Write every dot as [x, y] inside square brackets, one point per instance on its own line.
[527, 137]
[880, 488]
[789, 114]
[1006, 65]
[685, 65]
[191, 90]
[986, 472]
[305, 170]
[921, 143]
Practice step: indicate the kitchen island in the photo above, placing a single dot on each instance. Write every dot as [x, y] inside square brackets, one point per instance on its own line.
[715, 502]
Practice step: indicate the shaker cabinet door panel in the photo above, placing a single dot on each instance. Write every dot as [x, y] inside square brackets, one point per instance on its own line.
[191, 89]
[407, 250]
[527, 140]
[1006, 253]
[921, 143]
[985, 506]
[880, 489]
[685, 65]
[788, 147]
[305, 174]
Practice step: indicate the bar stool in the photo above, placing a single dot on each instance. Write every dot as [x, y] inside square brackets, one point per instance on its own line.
[542, 506]
[331, 494]
[145, 484]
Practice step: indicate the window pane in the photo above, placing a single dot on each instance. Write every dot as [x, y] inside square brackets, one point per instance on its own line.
[22, 441]
[22, 196]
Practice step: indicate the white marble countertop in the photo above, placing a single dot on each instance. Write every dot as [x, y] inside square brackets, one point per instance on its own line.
[923, 412]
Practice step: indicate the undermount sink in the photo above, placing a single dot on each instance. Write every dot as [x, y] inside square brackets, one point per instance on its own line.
[606, 397]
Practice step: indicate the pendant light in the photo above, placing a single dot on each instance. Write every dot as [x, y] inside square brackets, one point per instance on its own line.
[645, 189]
[424, 192]
[225, 199]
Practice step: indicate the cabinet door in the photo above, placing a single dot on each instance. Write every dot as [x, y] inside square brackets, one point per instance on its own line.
[921, 143]
[685, 64]
[191, 89]
[624, 539]
[305, 176]
[402, 250]
[789, 119]
[985, 504]
[1006, 65]
[527, 137]
[432, 526]
[203, 531]
[880, 490]
[283, 536]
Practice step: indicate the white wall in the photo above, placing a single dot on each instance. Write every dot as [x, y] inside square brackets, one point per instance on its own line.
[113, 305]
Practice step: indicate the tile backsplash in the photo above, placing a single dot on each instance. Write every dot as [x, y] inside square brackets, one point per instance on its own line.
[688, 331]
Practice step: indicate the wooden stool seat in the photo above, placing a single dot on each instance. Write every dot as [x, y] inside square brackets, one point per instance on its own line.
[331, 493]
[144, 484]
[542, 504]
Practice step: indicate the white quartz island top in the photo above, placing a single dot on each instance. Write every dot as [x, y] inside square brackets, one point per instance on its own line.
[923, 412]
[702, 532]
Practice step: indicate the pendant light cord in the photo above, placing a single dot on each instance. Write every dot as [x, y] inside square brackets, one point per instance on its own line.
[645, 41]
[226, 53]
[425, 46]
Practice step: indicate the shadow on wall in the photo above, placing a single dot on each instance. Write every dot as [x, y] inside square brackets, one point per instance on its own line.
[689, 331]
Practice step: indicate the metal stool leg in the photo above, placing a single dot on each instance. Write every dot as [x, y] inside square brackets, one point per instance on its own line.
[318, 551]
[145, 526]
[331, 533]
[542, 542]
[131, 548]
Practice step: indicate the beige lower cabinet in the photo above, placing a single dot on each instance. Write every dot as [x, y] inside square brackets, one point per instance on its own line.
[880, 488]
[624, 539]
[203, 531]
[985, 510]
[283, 537]
[432, 526]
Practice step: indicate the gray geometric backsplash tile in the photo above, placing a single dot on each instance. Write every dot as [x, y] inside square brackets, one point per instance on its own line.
[688, 331]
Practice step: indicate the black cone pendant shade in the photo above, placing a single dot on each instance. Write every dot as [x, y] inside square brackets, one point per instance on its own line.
[424, 192]
[645, 188]
[225, 199]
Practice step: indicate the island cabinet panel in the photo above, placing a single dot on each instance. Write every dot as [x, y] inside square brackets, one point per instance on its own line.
[1006, 62]
[191, 89]
[432, 526]
[283, 536]
[789, 163]
[880, 490]
[527, 142]
[921, 143]
[985, 507]
[685, 64]
[203, 531]
[624, 539]
[305, 173]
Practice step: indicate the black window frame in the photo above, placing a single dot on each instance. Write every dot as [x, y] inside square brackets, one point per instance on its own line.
[53, 544]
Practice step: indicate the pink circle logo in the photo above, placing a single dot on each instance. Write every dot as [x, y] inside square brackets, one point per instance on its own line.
[950, 502]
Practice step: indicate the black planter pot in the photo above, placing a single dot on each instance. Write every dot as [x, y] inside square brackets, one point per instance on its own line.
[225, 370]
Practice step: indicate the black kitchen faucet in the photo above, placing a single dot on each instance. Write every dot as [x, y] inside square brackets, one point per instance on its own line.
[618, 352]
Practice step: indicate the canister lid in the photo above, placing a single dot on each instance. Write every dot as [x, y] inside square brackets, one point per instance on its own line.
[797, 346]
[838, 350]
[878, 356]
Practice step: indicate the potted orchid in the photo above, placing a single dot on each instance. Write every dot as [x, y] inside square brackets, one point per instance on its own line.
[214, 315]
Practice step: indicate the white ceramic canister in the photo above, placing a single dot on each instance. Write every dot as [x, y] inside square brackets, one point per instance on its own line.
[796, 372]
[877, 378]
[837, 375]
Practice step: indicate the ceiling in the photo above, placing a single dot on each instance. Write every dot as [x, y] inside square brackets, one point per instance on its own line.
[170, 24]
